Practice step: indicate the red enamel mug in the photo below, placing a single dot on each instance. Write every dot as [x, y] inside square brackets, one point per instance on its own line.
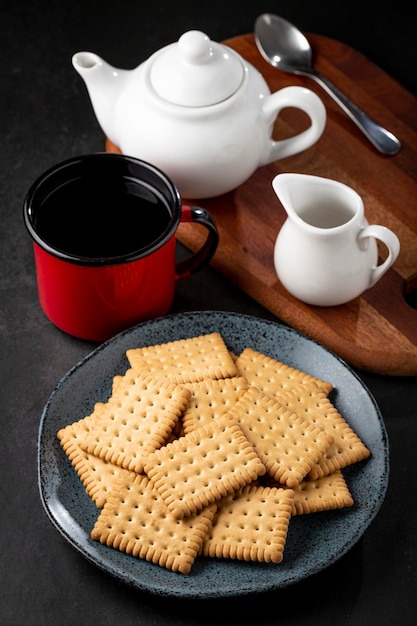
[103, 228]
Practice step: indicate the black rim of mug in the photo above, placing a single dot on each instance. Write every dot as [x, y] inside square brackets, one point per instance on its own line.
[127, 163]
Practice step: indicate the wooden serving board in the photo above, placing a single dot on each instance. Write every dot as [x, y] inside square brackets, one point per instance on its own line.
[376, 332]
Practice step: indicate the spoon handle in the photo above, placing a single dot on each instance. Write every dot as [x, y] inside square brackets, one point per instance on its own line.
[382, 139]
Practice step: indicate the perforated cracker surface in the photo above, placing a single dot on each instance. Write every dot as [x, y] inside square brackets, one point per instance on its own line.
[314, 406]
[271, 376]
[287, 444]
[203, 466]
[137, 419]
[251, 525]
[97, 476]
[186, 360]
[324, 494]
[210, 399]
[135, 520]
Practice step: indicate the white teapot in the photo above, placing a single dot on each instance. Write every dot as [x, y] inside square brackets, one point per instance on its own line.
[198, 111]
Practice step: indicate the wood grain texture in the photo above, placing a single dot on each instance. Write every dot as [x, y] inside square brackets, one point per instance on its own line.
[376, 332]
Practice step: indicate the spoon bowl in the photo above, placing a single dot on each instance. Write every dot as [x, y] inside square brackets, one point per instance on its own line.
[286, 48]
[293, 54]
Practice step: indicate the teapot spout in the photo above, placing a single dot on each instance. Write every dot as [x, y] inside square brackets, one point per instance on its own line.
[104, 85]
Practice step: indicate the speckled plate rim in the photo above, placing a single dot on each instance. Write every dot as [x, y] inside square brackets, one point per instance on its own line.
[314, 542]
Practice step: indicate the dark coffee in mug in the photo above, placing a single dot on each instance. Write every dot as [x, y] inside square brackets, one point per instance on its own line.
[98, 208]
[102, 219]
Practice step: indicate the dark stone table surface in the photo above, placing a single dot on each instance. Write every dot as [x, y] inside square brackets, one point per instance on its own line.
[45, 118]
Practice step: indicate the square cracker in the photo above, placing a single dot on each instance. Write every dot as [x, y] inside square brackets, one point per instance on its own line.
[272, 376]
[287, 444]
[314, 406]
[210, 399]
[203, 466]
[137, 419]
[135, 520]
[324, 494]
[251, 525]
[97, 476]
[186, 360]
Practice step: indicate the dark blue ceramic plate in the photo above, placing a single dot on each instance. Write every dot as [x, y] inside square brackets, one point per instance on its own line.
[314, 541]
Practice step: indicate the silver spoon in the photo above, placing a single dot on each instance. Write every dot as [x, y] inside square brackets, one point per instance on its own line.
[286, 48]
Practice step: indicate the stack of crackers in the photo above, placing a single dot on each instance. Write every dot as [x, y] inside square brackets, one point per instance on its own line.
[201, 452]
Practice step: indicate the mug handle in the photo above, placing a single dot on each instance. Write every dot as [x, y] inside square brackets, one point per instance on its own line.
[201, 257]
[392, 243]
[299, 98]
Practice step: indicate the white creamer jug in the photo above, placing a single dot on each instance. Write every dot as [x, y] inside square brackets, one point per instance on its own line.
[326, 252]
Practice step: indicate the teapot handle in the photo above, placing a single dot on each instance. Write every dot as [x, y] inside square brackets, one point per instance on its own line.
[299, 98]
[392, 243]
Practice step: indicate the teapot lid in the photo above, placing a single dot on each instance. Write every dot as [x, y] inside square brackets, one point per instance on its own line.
[196, 71]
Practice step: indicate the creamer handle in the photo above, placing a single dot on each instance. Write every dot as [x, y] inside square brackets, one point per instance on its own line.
[392, 243]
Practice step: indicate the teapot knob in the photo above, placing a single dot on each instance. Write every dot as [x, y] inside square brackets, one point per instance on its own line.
[195, 46]
[196, 71]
